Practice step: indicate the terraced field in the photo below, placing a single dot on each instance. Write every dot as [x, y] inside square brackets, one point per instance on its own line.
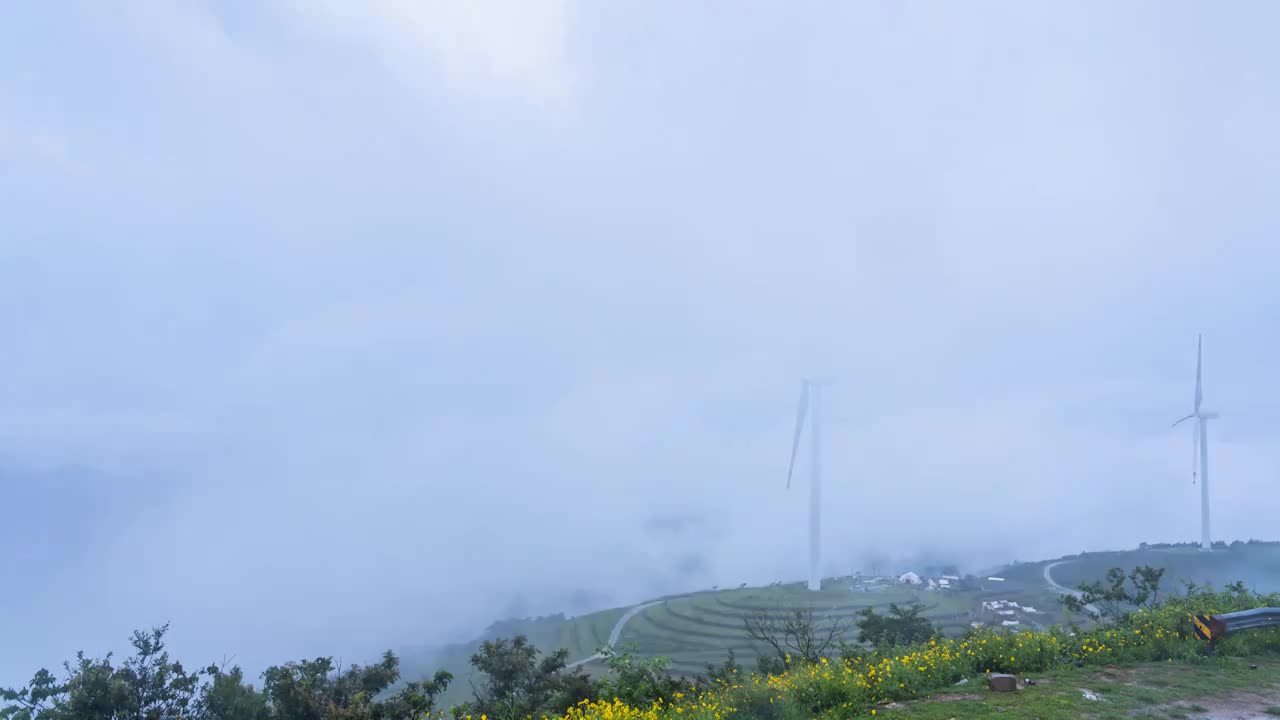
[699, 628]
[703, 628]
[696, 629]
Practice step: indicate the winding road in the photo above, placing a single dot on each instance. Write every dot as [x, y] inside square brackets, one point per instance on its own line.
[1048, 577]
[618, 627]
[616, 633]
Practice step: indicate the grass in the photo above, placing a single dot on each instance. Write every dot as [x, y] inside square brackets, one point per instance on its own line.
[693, 630]
[1256, 565]
[701, 628]
[1153, 690]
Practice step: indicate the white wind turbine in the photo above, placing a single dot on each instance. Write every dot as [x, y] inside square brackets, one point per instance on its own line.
[811, 406]
[1200, 449]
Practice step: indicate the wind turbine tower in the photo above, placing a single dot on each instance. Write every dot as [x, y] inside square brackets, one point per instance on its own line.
[811, 407]
[1200, 449]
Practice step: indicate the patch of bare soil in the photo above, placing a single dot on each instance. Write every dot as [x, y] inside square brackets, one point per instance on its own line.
[954, 697]
[1111, 673]
[1240, 705]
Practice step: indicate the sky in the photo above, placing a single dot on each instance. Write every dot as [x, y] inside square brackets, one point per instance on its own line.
[362, 324]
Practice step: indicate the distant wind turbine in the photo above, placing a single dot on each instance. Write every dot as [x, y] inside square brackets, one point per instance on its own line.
[811, 407]
[1200, 448]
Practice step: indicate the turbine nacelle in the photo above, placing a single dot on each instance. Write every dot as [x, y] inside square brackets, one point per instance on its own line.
[1202, 415]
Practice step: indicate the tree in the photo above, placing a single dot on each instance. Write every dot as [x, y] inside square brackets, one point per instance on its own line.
[161, 689]
[228, 697]
[725, 673]
[902, 626]
[637, 681]
[1119, 594]
[315, 690]
[147, 686]
[415, 700]
[36, 701]
[796, 634]
[516, 684]
[151, 686]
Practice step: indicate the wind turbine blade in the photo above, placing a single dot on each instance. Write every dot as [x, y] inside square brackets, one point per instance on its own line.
[1198, 356]
[795, 441]
[1183, 420]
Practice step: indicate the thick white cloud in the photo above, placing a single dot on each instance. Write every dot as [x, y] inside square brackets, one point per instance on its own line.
[479, 49]
[430, 342]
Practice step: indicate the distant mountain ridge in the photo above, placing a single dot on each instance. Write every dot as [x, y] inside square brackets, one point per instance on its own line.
[49, 518]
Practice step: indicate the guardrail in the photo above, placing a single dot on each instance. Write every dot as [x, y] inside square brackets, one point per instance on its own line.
[1211, 627]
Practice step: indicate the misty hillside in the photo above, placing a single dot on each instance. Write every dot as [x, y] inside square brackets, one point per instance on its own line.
[53, 518]
[697, 629]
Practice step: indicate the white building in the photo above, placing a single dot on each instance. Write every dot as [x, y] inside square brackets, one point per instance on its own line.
[909, 578]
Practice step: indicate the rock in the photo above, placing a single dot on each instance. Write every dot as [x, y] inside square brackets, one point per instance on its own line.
[1001, 682]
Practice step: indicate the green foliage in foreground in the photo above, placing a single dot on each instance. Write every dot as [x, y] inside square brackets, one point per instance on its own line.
[150, 686]
[863, 681]
[518, 683]
[902, 626]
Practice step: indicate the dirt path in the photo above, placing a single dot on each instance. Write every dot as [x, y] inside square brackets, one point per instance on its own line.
[1240, 705]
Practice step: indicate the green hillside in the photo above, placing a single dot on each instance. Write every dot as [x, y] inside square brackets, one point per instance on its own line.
[699, 628]
[1257, 565]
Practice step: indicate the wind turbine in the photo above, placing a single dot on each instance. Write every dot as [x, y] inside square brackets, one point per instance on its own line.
[1200, 448]
[811, 407]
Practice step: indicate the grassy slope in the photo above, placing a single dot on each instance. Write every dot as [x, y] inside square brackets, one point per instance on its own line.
[703, 627]
[1218, 689]
[1256, 565]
